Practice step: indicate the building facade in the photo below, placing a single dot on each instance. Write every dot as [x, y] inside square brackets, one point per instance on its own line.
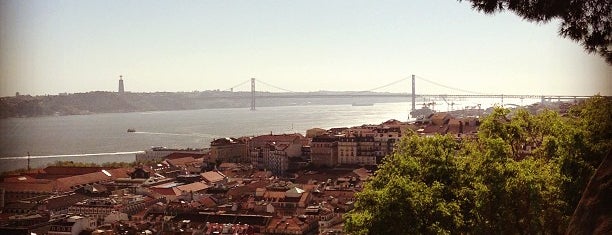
[358, 151]
[324, 150]
[229, 150]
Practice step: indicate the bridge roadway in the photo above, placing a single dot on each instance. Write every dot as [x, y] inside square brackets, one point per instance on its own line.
[306, 95]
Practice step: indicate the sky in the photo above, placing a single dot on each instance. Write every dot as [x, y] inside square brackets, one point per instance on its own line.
[51, 47]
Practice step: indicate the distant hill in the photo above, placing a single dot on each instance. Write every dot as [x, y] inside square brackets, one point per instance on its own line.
[113, 102]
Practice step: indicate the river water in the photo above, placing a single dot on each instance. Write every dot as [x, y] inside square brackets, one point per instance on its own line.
[100, 138]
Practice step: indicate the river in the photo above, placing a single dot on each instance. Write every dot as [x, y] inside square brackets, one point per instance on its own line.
[100, 138]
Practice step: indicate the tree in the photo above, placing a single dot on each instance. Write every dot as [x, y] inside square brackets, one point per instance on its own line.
[587, 21]
[440, 186]
[490, 185]
[414, 192]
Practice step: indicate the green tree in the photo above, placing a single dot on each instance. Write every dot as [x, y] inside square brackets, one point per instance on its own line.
[524, 174]
[414, 191]
[587, 21]
[585, 146]
[440, 186]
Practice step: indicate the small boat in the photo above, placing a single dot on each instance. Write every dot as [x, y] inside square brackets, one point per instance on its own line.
[131, 130]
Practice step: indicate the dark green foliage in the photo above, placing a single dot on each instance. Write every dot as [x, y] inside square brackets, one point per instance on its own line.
[418, 194]
[586, 21]
[91, 164]
[492, 185]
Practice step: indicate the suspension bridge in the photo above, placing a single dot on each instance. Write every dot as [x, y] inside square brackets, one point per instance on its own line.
[413, 95]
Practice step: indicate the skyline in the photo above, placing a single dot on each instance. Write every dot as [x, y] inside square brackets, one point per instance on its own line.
[51, 47]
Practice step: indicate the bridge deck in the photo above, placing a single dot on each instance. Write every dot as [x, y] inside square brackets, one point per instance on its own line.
[308, 95]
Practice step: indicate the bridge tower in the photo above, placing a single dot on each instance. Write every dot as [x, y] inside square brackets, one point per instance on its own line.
[252, 94]
[413, 94]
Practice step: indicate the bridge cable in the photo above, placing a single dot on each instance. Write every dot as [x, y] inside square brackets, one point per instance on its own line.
[380, 87]
[390, 84]
[238, 85]
[449, 87]
[265, 83]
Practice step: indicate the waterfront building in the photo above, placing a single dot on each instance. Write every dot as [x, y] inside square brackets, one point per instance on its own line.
[276, 158]
[294, 142]
[272, 152]
[324, 150]
[311, 133]
[358, 151]
[22, 187]
[160, 153]
[228, 150]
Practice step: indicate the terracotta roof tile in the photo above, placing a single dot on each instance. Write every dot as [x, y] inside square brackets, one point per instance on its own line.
[193, 187]
[181, 161]
[212, 176]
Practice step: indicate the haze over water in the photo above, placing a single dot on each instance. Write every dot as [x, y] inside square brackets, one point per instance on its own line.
[103, 138]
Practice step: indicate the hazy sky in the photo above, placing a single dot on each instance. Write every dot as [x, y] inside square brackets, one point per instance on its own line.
[48, 47]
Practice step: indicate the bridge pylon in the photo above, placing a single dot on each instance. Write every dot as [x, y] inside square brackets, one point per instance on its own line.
[252, 94]
[413, 94]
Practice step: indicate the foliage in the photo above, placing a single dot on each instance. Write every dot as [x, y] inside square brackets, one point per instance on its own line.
[523, 175]
[73, 164]
[91, 164]
[586, 21]
[396, 193]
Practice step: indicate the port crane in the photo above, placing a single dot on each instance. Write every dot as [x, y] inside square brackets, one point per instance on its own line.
[448, 104]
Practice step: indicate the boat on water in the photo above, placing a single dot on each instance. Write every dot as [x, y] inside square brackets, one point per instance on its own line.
[131, 130]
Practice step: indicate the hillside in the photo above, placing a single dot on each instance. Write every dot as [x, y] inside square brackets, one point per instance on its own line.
[112, 102]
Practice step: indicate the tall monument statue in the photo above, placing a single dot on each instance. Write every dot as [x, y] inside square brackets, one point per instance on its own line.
[121, 90]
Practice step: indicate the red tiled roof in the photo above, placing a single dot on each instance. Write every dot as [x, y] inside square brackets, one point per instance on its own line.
[208, 202]
[277, 138]
[181, 161]
[46, 186]
[438, 118]
[433, 129]
[193, 187]
[183, 155]
[212, 176]
[166, 191]
[64, 184]
[262, 174]
[248, 189]
[362, 173]
[284, 225]
[71, 170]
[228, 165]
[21, 178]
